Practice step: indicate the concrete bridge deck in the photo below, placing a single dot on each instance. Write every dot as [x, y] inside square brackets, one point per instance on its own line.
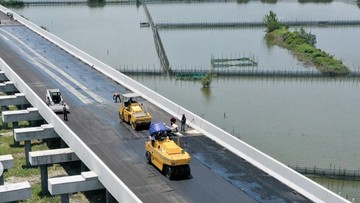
[217, 174]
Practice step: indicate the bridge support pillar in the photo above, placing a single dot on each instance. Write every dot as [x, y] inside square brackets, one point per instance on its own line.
[64, 198]
[27, 151]
[4, 124]
[15, 125]
[44, 179]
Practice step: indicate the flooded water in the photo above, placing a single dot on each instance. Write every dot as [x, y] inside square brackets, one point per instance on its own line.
[299, 121]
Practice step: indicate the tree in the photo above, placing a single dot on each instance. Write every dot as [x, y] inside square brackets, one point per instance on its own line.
[271, 22]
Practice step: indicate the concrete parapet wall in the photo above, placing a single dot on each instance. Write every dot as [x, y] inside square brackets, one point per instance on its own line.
[85, 182]
[45, 131]
[298, 182]
[15, 192]
[52, 156]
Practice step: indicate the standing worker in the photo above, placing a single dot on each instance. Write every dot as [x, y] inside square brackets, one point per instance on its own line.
[183, 123]
[65, 112]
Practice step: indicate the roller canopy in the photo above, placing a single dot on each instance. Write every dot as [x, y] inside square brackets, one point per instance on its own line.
[158, 127]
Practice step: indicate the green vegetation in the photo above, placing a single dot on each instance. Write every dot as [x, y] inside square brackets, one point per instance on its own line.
[12, 3]
[271, 22]
[302, 44]
[206, 81]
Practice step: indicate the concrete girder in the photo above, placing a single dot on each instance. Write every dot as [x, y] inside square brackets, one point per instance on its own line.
[3, 76]
[16, 99]
[45, 131]
[64, 185]
[8, 87]
[53, 156]
[30, 114]
[15, 192]
[7, 161]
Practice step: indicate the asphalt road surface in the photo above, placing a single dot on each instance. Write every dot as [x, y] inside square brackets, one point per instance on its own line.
[217, 175]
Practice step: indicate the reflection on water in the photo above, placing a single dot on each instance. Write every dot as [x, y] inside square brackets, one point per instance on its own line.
[206, 91]
[350, 187]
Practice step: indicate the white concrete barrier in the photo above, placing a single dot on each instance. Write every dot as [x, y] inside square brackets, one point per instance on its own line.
[298, 182]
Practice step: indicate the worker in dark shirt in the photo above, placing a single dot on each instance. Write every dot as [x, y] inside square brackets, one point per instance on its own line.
[65, 112]
[183, 123]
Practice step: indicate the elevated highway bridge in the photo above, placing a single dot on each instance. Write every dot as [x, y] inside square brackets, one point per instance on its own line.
[223, 168]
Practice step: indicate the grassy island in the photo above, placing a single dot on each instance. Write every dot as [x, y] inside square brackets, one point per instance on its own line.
[302, 44]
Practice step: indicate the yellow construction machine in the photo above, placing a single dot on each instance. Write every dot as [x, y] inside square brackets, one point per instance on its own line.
[165, 154]
[133, 112]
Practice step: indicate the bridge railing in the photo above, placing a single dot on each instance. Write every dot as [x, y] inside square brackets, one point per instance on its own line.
[298, 182]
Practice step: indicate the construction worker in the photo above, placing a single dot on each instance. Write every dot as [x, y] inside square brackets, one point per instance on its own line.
[183, 123]
[65, 112]
[116, 96]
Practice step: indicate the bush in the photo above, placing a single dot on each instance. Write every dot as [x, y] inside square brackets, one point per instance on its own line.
[271, 22]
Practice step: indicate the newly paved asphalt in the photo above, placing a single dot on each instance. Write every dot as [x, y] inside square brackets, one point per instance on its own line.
[217, 175]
